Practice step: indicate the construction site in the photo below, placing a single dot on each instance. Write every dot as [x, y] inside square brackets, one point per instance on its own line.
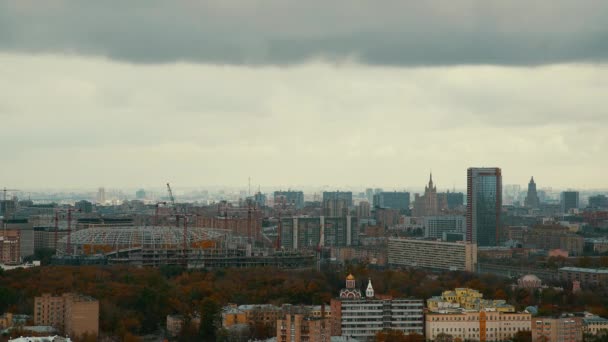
[193, 247]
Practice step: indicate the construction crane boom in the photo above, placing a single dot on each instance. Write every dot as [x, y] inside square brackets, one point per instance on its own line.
[171, 198]
[4, 190]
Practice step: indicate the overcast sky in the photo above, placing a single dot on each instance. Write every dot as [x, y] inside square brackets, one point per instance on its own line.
[289, 92]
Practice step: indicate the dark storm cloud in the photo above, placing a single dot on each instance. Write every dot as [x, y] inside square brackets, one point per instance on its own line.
[292, 31]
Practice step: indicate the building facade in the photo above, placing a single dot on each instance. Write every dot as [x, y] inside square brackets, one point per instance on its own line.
[72, 313]
[569, 200]
[312, 232]
[289, 199]
[426, 205]
[363, 316]
[393, 200]
[432, 254]
[532, 200]
[484, 325]
[562, 329]
[436, 226]
[484, 205]
[302, 328]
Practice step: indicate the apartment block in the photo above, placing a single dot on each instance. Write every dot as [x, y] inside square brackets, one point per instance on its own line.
[302, 328]
[432, 254]
[73, 313]
[563, 329]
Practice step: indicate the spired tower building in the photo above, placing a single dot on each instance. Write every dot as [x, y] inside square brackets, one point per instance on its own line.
[532, 200]
[426, 205]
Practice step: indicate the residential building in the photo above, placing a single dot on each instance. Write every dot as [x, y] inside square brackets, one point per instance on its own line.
[73, 313]
[311, 232]
[44, 237]
[466, 299]
[336, 207]
[6, 320]
[363, 316]
[563, 329]
[363, 210]
[569, 200]
[26, 235]
[289, 199]
[10, 247]
[484, 205]
[346, 196]
[549, 237]
[436, 226]
[588, 277]
[532, 200]
[175, 323]
[302, 328]
[594, 325]
[432, 254]
[483, 325]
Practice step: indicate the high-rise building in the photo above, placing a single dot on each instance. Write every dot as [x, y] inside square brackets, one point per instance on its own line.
[484, 204]
[393, 200]
[426, 205]
[101, 195]
[363, 210]
[303, 328]
[598, 202]
[532, 200]
[369, 194]
[569, 200]
[311, 232]
[289, 199]
[338, 195]
[455, 200]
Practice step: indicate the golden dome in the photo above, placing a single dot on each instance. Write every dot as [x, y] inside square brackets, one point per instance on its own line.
[350, 277]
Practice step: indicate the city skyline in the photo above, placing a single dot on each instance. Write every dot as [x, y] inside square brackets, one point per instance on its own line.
[369, 92]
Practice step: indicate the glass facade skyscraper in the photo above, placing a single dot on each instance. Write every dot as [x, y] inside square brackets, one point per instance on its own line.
[484, 203]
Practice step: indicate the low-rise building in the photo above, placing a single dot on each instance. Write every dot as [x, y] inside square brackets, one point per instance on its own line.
[466, 299]
[594, 325]
[588, 277]
[175, 323]
[432, 254]
[484, 325]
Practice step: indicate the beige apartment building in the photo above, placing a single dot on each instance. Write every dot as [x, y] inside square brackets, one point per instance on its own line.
[73, 313]
[477, 325]
[432, 254]
[301, 328]
[563, 329]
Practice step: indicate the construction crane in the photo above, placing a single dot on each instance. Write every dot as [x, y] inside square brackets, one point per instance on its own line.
[171, 195]
[5, 190]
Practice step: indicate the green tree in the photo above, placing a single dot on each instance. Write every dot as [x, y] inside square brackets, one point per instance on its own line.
[210, 317]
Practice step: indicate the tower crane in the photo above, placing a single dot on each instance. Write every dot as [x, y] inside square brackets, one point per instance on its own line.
[5, 190]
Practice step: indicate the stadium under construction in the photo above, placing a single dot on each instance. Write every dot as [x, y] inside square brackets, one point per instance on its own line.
[194, 247]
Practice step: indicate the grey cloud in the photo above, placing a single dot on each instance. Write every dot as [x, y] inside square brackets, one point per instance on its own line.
[410, 33]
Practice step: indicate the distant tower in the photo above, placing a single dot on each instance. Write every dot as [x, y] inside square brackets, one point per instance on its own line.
[484, 205]
[532, 200]
[369, 293]
[101, 195]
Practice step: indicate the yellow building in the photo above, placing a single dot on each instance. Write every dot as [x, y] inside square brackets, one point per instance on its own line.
[6, 320]
[467, 299]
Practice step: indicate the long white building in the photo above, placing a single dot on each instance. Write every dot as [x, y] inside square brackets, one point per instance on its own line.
[432, 254]
[477, 325]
